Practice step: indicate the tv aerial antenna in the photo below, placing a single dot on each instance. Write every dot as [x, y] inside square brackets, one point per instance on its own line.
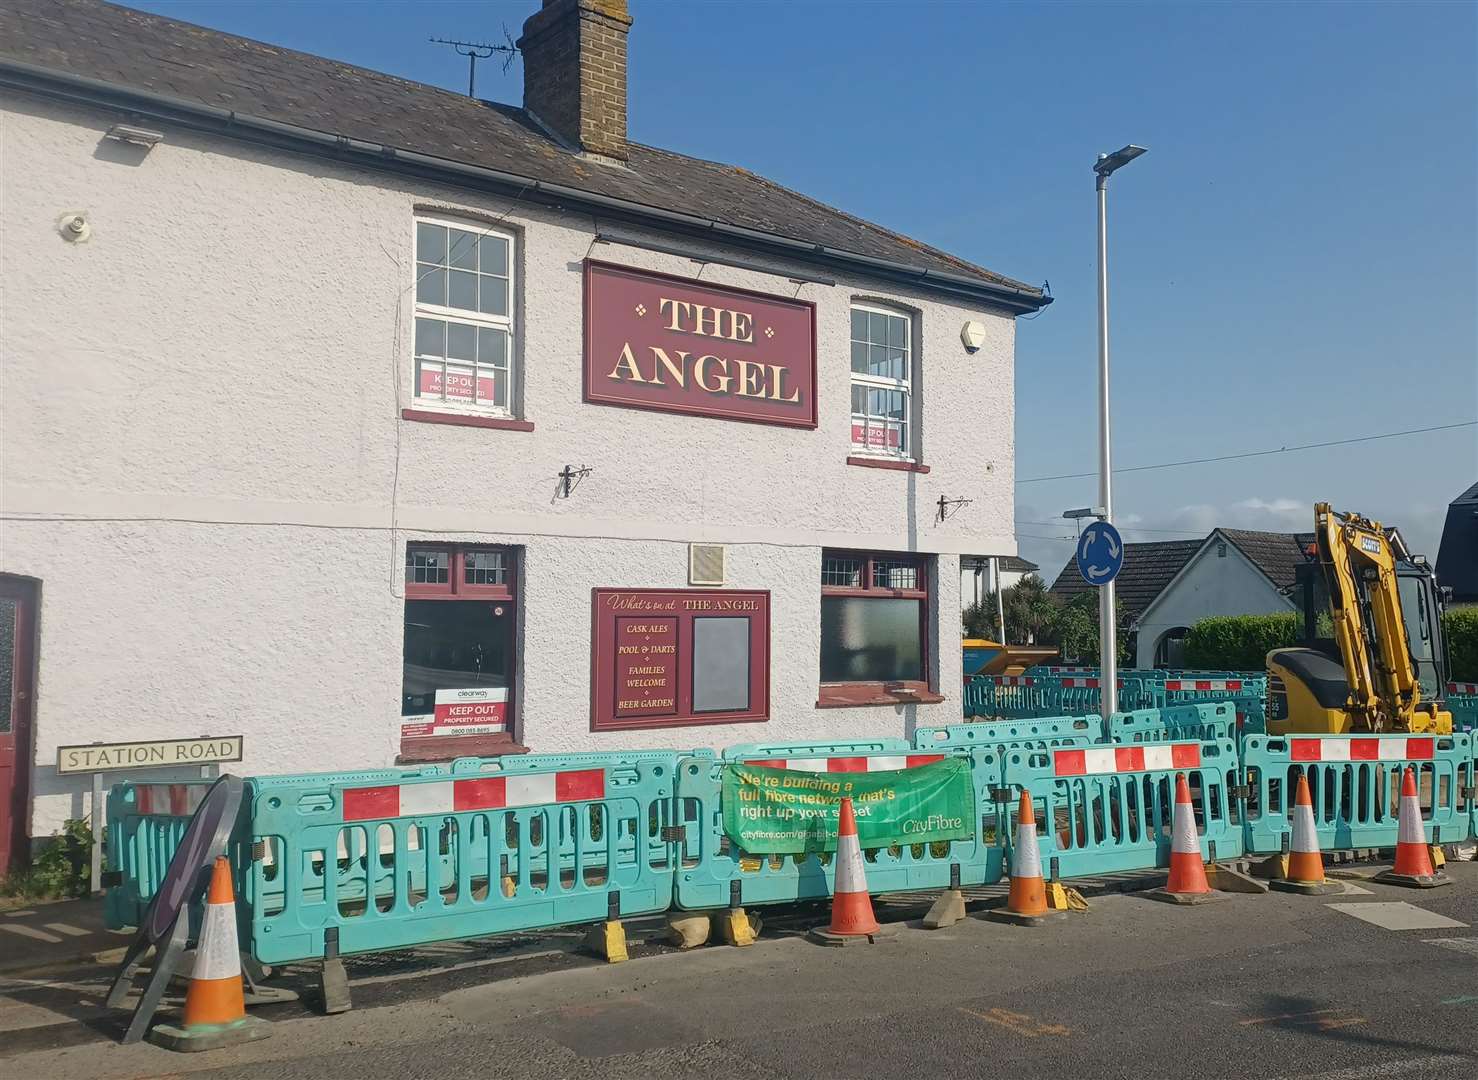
[480, 50]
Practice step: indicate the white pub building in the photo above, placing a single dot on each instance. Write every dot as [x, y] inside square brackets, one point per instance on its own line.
[376, 424]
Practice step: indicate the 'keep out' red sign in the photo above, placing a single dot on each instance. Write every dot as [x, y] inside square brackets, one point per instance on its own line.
[659, 342]
[458, 384]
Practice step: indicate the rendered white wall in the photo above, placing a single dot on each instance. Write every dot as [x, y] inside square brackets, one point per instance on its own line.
[1208, 586]
[213, 382]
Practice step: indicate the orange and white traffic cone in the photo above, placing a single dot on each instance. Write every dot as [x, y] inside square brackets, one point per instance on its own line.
[1305, 864]
[1413, 859]
[851, 906]
[1026, 903]
[215, 1005]
[1187, 882]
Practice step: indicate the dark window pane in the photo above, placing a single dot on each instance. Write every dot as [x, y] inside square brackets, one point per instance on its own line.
[859, 325]
[461, 341]
[877, 328]
[430, 337]
[841, 571]
[430, 285]
[427, 567]
[493, 255]
[484, 568]
[462, 250]
[877, 361]
[859, 357]
[859, 399]
[895, 575]
[461, 290]
[430, 243]
[492, 346]
[897, 332]
[454, 645]
[7, 661]
[870, 640]
[493, 299]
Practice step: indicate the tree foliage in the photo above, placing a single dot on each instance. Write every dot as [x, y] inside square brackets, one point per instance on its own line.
[1035, 617]
[1460, 629]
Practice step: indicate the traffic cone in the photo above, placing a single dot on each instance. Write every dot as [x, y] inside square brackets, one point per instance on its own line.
[852, 919]
[1305, 873]
[215, 1005]
[1187, 882]
[1413, 860]
[1026, 903]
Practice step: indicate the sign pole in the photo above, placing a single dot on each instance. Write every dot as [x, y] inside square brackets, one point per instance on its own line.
[1108, 655]
[96, 880]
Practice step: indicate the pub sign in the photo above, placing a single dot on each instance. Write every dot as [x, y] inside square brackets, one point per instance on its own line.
[653, 341]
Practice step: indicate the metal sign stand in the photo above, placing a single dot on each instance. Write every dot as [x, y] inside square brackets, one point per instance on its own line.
[166, 923]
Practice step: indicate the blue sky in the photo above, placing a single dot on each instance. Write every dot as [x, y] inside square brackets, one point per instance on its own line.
[1295, 261]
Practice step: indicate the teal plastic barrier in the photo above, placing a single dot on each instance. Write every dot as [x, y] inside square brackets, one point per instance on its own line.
[1212, 722]
[388, 859]
[1019, 697]
[714, 873]
[1108, 809]
[1003, 735]
[146, 821]
[1355, 785]
[1462, 702]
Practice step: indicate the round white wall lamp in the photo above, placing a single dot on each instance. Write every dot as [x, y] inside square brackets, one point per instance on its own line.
[973, 335]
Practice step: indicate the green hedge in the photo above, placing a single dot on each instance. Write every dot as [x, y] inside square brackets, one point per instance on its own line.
[1239, 642]
[1460, 628]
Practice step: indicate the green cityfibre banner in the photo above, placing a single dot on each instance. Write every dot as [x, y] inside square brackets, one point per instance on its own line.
[780, 811]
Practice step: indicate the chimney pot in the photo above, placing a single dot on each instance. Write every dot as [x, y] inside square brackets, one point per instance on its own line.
[574, 72]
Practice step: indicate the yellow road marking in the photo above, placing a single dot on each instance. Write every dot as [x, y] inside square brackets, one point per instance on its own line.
[1020, 1023]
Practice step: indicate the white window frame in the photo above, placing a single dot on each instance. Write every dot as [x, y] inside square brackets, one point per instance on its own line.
[905, 452]
[507, 323]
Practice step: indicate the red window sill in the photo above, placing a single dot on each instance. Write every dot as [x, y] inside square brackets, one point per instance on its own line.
[428, 416]
[850, 695]
[447, 747]
[887, 463]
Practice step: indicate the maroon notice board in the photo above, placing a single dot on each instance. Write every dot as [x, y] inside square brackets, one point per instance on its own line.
[675, 657]
[653, 341]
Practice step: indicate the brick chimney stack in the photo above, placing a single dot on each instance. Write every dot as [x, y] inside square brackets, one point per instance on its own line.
[574, 72]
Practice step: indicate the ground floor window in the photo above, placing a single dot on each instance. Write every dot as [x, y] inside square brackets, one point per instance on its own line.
[874, 617]
[460, 641]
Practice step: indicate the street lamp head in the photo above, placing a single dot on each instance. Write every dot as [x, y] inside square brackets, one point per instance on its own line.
[1108, 164]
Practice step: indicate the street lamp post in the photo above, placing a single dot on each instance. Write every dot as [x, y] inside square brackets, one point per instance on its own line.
[1108, 661]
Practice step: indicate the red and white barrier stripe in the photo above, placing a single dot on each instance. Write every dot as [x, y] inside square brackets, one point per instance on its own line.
[1079, 683]
[480, 793]
[1203, 684]
[1126, 759]
[870, 763]
[175, 800]
[1373, 748]
[1013, 680]
[1463, 688]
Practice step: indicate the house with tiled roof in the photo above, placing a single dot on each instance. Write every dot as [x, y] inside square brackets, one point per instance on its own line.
[1166, 586]
[1457, 557]
[378, 424]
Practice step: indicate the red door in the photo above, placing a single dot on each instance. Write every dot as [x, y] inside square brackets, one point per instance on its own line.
[17, 695]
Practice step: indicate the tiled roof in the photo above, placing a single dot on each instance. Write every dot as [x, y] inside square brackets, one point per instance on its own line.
[1275, 554]
[133, 50]
[1148, 568]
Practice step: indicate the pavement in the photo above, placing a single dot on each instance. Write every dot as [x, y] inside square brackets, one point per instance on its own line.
[1377, 982]
[56, 934]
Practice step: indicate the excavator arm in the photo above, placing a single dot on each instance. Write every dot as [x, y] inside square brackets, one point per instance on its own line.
[1359, 568]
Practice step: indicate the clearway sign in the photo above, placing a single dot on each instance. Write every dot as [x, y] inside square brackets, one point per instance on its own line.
[1100, 553]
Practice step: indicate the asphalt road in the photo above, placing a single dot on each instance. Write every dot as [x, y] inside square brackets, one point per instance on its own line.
[1261, 986]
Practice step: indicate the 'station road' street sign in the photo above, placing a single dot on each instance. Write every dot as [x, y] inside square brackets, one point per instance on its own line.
[1100, 553]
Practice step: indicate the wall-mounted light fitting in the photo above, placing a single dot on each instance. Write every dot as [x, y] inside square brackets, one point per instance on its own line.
[137, 136]
[972, 334]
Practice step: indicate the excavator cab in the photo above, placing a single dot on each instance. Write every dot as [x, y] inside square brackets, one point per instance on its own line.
[1309, 686]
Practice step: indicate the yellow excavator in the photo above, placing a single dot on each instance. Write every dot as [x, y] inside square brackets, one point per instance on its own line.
[1384, 667]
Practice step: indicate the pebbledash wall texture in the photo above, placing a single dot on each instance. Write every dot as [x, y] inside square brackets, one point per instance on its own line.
[207, 472]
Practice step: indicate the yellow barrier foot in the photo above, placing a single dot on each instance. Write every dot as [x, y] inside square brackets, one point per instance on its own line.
[1438, 856]
[688, 929]
[947, 910]
[736, 927]
[1274, 866]
[1307, 888]
[509, 886]
[1062, 898]
[608, 941]
[1227, 879]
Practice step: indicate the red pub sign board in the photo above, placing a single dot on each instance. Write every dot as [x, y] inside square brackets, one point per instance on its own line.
[659, 342]
[669, 658]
